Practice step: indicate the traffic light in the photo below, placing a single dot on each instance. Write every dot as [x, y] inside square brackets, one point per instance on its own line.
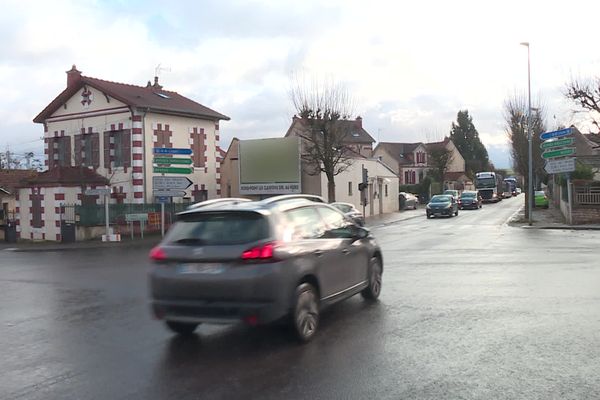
[362, 186]
[365, 175]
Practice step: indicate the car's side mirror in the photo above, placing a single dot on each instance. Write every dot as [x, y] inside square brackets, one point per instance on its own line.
[360, 233]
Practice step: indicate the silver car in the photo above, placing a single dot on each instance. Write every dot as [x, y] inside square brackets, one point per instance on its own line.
[350, 211]
[260, 262]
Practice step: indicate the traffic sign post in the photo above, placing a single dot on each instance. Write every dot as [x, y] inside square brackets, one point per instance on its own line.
[171, 182]
[172, 151]
[172, 170]
[171, 161]
[168, 193]
[568, 151]
[557, 143]
[560, 166]
[556, 134]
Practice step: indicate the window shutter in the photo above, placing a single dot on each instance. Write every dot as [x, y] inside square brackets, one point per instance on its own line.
[107, 150]
[78, 149]
[126, 146]
[50, 152]
[95, 150]
[66, 148]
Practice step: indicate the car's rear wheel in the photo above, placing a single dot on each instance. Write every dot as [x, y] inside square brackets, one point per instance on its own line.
[305, 318]
[373, 291]
[181, 328]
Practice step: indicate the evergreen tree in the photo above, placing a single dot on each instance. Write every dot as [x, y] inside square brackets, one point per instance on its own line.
[466, 139]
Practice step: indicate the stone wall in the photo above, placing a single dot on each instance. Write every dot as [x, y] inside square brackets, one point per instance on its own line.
[586, 215]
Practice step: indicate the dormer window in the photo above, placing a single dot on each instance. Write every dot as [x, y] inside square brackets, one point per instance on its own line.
[355, 134]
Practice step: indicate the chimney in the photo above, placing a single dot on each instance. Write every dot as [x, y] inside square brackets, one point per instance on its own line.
[156, 85]
[73, 76]
[359, 121]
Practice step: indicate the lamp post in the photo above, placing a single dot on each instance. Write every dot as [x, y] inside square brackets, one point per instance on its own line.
[529, 150]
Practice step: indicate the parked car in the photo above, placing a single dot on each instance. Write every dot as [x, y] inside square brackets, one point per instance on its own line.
[452, 192]
[442, 204]
[351, 212]
[541, 200]
[260, 262]
[410, 200]
[470, 199]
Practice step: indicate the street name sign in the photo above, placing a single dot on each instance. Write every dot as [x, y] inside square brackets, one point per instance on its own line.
[170, 182]
[569, 151]
[174, 151]
[172, 160]
[97, 192]
[557, 143]
[168, 193]
[556, 134]
[172, 170]
[560, 166]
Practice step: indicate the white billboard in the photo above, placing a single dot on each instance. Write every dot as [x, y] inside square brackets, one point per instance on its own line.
[269, 166]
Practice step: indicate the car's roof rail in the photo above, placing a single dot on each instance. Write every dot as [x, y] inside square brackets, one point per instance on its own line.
[218, 202]
[286, 197]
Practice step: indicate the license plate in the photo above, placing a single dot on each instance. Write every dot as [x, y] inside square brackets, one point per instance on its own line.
[198, 268]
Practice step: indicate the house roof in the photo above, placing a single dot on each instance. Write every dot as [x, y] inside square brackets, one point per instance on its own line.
[151, 97]
[437, 145]
[65, 176]
[12, 178]
[594, 138]
[355, 133]
[399, 150]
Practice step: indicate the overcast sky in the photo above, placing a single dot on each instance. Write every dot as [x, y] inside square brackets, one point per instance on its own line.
[409, 65]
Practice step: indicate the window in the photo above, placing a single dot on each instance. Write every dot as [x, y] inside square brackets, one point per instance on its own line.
[117, 149]
[349, 188]
[410, 177]
[64, 151]
[337, 225]
[164, 96]
[386, 190]
[36, 211]
[420, 158]
[306, 223]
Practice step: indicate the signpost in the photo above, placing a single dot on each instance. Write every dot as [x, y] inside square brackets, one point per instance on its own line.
[171, 182]
[555, 134]
[557, 143]
[172, 170]
[172, 151]
[560, 166]
[141, 218]
[171, 161]
[168, 193]
[555, 153]
[568, 151]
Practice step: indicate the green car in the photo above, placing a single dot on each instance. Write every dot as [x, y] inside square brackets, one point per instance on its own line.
[541, 200]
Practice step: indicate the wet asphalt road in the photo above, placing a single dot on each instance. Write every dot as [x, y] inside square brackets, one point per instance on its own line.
[471, 309]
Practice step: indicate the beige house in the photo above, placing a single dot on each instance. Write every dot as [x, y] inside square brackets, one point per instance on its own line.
[411, 160]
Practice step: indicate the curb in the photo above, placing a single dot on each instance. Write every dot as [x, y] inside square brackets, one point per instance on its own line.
[394, 222]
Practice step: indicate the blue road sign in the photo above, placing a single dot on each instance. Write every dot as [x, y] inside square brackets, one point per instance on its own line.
[555, 134]
[164, 150]
[163, 199]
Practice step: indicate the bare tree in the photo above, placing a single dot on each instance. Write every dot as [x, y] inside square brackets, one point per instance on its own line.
[515, 117]
[439, 160]
[324, 110]
[586, 95]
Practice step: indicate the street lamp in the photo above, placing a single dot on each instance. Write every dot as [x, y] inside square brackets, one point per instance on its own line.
[529, 150]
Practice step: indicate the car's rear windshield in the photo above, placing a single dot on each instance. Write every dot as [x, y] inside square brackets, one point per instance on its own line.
[467, 194]
[218, 228]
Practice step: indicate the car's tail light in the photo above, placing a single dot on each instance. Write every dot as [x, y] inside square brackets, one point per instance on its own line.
[157, 254]
[262, 252]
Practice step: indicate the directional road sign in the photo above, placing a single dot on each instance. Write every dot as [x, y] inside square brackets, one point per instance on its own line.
[170, 182]
[556, 134]
[169, 193]
[172, 160]
[569, 151]
[172, 170]
[164, 150]
[97, 192]
[557, 143]
[560, 166]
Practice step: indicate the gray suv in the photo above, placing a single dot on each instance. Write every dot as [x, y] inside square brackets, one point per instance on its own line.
[261, 262]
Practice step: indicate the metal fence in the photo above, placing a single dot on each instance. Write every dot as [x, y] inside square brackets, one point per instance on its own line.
[94, 214]
[587, 195]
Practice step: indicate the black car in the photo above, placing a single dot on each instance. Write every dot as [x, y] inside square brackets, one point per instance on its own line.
[470, 199]
[259, 262]
[442, 205]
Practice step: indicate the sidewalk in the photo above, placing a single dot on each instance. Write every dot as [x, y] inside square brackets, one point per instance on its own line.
[393, 217]
[550, 218]
[28, 246]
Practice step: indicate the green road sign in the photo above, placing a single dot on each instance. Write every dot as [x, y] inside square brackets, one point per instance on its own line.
[172, 160]
[172, 170]
[557, 143]
[569, 151]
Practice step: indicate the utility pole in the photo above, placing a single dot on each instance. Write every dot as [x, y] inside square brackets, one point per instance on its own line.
[529, 134]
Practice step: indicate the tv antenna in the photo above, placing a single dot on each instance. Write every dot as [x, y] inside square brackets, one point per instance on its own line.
[159, 68]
